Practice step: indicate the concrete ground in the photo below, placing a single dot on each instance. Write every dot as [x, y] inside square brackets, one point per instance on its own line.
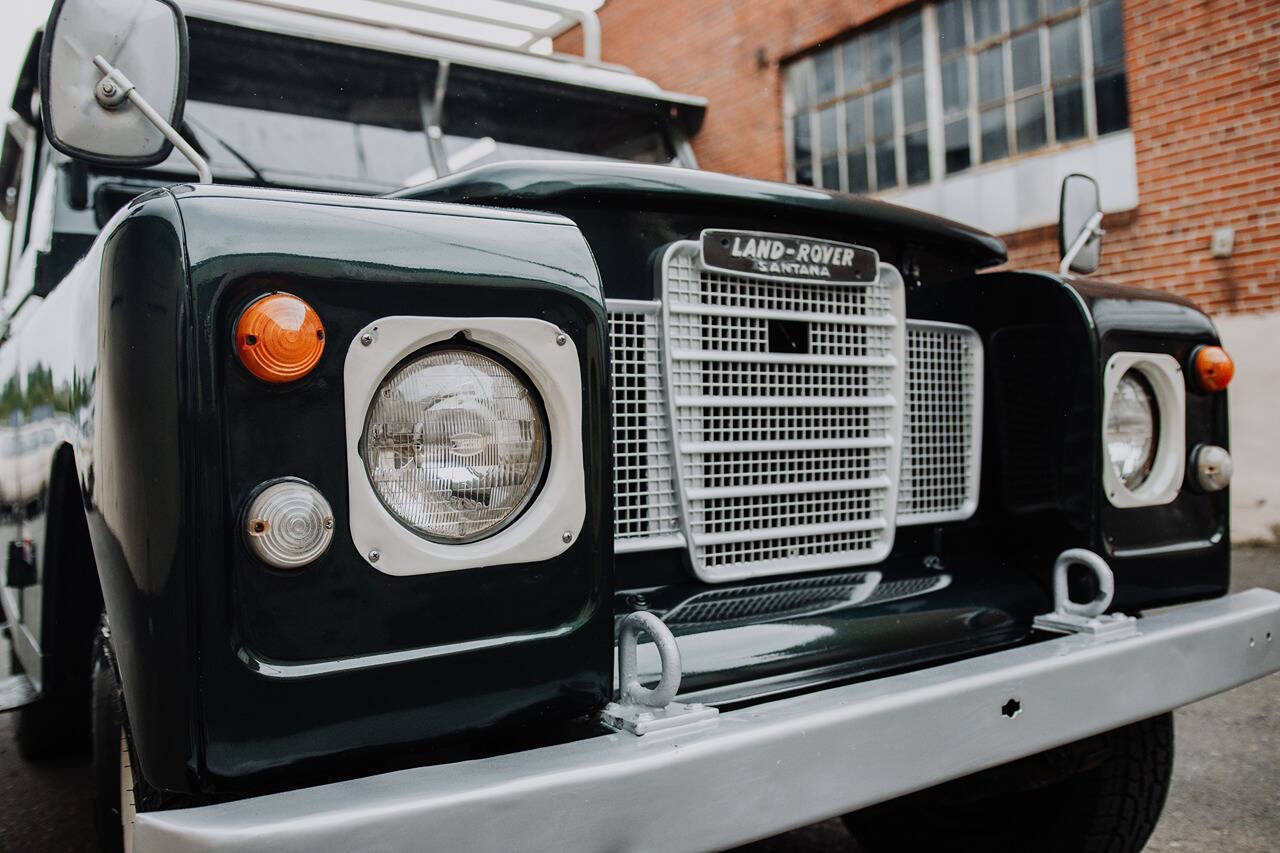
[1225, 796]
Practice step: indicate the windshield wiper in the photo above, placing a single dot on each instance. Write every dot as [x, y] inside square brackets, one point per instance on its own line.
[193, 125]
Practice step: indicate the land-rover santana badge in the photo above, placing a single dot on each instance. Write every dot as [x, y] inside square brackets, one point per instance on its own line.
[787, 256]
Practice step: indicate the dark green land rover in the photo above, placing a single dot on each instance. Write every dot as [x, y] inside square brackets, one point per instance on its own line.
[404, 447]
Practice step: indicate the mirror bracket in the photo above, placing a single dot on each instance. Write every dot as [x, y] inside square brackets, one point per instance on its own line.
[115, 88]
[1092, 229]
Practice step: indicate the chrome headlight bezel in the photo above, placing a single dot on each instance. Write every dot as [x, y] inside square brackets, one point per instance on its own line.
[1163, 375]
[550, 521]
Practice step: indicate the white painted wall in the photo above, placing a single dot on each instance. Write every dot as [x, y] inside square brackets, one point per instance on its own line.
[1254, 400]
[1010, 196]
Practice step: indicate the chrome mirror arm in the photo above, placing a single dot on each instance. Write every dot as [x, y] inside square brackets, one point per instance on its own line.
[112, 91]
[1091, 229]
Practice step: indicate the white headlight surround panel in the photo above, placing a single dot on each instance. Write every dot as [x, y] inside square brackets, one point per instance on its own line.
[1164, 374]
[550, 523]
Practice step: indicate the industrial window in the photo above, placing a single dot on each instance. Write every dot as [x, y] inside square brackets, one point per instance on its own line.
[951, 85]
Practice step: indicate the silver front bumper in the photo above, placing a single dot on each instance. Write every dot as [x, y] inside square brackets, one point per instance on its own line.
[764, 769]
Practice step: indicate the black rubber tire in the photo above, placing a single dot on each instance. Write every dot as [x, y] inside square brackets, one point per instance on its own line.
[1103, 794]
[52, 728]
[108, 717]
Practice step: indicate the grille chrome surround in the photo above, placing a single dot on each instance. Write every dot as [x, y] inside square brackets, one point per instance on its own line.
[735, 403]
[942, 428]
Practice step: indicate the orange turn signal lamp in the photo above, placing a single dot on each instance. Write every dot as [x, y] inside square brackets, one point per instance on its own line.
[1213, 368]
[279, 338]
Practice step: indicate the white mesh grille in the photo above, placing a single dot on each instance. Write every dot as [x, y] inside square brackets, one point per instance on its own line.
[785, 456]
[773, 478]
[645, 512]
[942, 428]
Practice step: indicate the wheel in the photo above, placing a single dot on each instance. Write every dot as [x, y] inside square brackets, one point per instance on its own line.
[1099, 795]
[119, 789]
[52, 728]
[114, 782]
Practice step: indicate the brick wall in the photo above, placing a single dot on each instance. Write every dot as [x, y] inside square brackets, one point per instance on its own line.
[1204, 98]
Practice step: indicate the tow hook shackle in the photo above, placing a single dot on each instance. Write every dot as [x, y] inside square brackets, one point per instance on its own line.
[630, 690]
[1085, 617]
[1102, 574]
[640, 710]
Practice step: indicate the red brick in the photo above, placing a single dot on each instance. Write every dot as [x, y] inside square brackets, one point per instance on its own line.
[1204, 99]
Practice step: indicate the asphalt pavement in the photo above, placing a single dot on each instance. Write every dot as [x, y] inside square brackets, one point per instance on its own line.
[1225, 796]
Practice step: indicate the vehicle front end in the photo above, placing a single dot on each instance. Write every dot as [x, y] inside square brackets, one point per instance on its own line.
[560, 502]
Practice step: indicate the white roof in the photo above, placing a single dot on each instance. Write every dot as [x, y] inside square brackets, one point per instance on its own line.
[504, 35]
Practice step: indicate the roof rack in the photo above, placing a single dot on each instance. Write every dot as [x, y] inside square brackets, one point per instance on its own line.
[525, 26]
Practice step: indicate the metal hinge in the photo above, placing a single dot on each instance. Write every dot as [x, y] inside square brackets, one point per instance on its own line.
[1071, 617]
[641, 710]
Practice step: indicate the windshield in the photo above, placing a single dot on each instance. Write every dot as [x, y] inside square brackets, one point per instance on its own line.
[296, 112]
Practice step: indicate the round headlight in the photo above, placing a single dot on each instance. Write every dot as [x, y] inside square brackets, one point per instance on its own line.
[454, 444]
[1133, 429]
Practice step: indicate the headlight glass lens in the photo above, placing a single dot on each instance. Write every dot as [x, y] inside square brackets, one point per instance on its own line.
[1133, 429]
[454, 444]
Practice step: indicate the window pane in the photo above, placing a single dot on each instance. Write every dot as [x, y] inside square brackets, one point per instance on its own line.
[991, 74]
[802, 148]
[913, 99]
[880, 47]
[955, 84]
[831, 173]
[855, 122]
[799, 84]
[1108, 33]
[1023, 12]
[824, 72]
[1068, 112]
[882, 112]
[917, 151]
[856, 167]
[827, 130]
[1026, 60]
[910, 41]
[1111, 102]
[1064, 49]
[1028, 117]
[951, 26]
[886, 166]
[855, 63]
[986, 19]
[1056, 6]
[957, 141]
[995, 140]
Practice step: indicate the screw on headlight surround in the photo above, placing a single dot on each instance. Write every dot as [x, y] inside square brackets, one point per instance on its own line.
[455, 443]
[279, 338]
